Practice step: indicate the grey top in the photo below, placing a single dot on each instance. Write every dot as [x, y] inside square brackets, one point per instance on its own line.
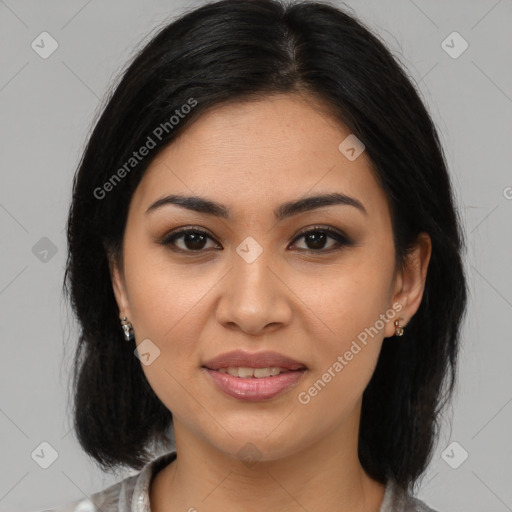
[132, 494]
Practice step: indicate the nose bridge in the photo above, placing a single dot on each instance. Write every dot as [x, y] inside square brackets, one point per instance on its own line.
[253, 277]
[254, 296]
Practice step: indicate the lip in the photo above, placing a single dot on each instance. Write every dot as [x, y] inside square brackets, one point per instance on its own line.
[263, 359]
[255, 389]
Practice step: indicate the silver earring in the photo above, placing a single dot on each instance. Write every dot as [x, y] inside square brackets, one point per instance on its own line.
[127, 329]
[399, 331]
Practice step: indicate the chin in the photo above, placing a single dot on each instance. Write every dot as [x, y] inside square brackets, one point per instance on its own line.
[251, 445]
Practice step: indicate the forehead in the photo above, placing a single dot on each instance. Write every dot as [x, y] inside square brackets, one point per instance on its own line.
[258, 153]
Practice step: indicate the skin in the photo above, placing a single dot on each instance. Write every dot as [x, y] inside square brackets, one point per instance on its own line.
[252, 157]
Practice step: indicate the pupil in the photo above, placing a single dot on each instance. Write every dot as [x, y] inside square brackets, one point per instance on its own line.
[194, 238]
[317, 239]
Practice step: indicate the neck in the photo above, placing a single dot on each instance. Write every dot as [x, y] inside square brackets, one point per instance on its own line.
[326, 475]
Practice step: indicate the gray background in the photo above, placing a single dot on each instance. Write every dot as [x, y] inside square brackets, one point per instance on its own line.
[47, 108]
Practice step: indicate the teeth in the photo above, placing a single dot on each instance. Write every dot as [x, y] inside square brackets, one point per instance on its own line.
[233, 371]
[268, 372]
[244, 372]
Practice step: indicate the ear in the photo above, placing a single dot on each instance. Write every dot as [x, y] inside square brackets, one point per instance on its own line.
[118, 285]
[410, 282]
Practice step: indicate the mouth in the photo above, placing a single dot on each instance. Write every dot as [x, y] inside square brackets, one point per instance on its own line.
[254, 377]
[245, 372]
[245, 361]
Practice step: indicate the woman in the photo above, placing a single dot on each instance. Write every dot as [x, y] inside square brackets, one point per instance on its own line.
[264, 255]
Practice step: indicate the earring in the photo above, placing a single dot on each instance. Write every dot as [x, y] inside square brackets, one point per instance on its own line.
[127, 329]
[399, 331]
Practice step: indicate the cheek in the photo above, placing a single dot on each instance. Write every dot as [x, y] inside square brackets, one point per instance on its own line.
[351, 309]
[352, 298]
[345, 355]
[166, 309]
[167, 306]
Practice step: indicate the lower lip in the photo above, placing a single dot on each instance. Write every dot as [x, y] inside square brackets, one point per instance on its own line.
[253, 389]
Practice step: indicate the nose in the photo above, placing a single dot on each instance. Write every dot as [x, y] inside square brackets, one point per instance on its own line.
[254, 297]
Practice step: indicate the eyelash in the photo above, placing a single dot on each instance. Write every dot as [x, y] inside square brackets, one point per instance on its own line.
[341, 239]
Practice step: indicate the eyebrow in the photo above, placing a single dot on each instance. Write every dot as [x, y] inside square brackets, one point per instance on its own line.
[209, 207]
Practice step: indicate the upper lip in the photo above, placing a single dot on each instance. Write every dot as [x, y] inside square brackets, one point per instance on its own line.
[239, 358]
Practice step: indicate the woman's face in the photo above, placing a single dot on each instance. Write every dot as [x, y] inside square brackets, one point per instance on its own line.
[257, 282]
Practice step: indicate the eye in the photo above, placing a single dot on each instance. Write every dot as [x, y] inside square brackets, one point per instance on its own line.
[195, 240]
[317, 237]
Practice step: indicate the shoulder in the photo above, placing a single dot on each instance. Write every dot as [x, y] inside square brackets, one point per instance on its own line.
[124, 496]
[396, 500]
[107, 500]
[416, 505]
